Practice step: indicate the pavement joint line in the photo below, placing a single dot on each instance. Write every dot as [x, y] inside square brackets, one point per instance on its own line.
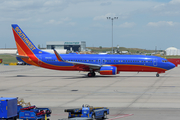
[138, 97]
[122, 116]
[96, 90]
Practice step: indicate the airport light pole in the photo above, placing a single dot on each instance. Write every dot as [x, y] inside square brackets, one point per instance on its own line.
[112, 18]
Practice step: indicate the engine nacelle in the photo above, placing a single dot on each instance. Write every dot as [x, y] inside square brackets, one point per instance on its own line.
[108, 70]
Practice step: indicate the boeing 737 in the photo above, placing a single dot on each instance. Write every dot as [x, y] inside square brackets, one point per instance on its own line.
[103, 63]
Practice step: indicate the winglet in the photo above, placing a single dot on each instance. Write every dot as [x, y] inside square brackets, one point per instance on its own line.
[58, 56]
[77, 52]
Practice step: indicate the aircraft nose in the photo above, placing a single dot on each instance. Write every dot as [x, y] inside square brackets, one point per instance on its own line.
[171, 66]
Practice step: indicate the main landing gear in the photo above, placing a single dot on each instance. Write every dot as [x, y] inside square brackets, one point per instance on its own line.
[91, 74]
[157, 75]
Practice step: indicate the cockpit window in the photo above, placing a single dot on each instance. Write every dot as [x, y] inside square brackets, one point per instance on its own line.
[165, 61]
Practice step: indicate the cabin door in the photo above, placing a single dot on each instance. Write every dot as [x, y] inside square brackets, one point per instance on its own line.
[101, 61]
[155, 62]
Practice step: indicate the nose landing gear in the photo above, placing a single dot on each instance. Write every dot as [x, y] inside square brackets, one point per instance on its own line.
[157, 75]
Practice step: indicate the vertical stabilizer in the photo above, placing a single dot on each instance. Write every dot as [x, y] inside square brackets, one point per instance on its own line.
[24, 45]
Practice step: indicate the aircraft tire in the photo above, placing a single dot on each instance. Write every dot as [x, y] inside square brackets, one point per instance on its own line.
[94, 74]
[157, 75]
[89, 74]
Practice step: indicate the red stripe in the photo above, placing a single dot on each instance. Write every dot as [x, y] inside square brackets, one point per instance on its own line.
[139, 68]
[106, 72]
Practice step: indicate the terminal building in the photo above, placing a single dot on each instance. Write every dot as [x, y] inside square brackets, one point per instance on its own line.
[71, 46]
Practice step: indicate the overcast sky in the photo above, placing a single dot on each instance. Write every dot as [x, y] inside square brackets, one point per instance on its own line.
[140, 24]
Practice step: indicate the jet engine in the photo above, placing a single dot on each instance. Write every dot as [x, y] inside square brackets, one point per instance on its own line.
[108, 70]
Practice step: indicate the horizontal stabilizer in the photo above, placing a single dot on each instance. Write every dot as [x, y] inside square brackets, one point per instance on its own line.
[21, 56]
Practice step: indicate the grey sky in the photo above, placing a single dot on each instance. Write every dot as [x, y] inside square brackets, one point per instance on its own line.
[141, 24]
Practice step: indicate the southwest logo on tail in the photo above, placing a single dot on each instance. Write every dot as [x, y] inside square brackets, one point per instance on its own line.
[104, 64]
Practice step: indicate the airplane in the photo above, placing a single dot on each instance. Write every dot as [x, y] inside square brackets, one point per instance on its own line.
[105, 64]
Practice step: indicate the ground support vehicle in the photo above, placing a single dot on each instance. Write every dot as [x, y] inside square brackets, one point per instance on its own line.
[10, 110]
[33, 113]
[87, 112]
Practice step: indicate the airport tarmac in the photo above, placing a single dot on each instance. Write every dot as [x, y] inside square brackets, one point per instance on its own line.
[129, 95]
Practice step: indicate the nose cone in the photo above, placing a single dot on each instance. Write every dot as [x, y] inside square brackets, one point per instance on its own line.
[171, 65]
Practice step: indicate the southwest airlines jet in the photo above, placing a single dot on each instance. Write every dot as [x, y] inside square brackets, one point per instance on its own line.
[104, 64]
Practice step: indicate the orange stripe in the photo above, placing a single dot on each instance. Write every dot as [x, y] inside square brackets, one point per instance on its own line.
[26, 59]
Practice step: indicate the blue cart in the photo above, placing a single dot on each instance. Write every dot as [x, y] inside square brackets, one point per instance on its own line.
[33, 113]
[88, 112]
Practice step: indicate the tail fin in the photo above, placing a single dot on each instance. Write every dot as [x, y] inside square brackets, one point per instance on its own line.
[24, 45]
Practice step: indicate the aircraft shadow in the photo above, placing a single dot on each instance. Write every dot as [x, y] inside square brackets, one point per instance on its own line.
[97, 76]
[116, 77]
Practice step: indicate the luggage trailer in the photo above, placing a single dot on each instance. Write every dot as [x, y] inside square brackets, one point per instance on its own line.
[88, 112]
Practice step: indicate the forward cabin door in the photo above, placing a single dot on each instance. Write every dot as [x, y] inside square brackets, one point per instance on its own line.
[155, 61]
[99, 61]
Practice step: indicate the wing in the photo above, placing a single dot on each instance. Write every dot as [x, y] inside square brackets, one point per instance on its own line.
[80, 65]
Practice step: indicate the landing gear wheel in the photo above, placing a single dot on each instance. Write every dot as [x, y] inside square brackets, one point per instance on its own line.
[91, 74]
[157, 75]
[94, 74]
